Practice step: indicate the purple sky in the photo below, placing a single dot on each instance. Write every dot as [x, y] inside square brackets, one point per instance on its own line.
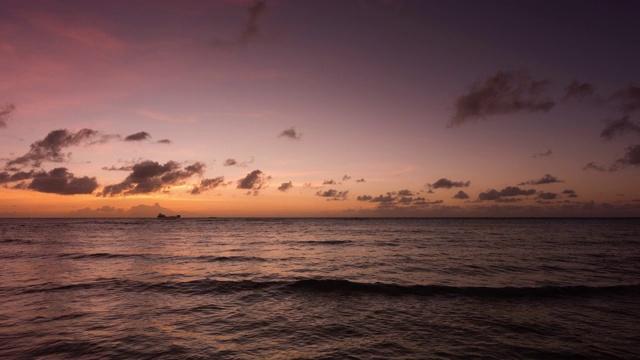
[319, 108]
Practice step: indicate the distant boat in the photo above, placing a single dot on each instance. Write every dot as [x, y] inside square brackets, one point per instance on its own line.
[163, 216]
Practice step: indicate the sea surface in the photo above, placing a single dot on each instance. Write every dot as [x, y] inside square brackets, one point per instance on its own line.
[319, 288]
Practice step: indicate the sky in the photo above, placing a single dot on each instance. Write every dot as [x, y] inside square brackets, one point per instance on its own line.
[292, 108]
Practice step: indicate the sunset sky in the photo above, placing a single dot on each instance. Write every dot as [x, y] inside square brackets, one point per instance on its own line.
[319, 108]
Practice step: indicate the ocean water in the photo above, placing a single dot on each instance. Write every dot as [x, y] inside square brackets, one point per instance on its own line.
[319, 288]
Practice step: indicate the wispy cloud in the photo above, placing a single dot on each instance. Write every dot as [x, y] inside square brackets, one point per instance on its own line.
[546, 179]
[291, 134]
[617, 127]
[332, 194]
[285, 186]
[208, 184]
[509, 191]
[543, 154]
[250, 31]
[51, 147]
[506, 92]
[139, 136]
[5, 114]
[448, 184]
[627, 99]
[578, 89]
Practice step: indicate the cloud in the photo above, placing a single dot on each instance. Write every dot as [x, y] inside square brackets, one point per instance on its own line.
[139, 136]
[384, 198]
[285, 186]
[544, 154]
[164, 141]
[506, 192]
[448, 184]
[570, 193]
[60, 181]
[364, 198]
[506, 92]
[361, 180]
[405, 193]
[5, 114]
[329, 182]
[50, 148]
[120, 168]
[251, 27]
[547, 195]
[250, 31]
[6, 177]
[578, 90]
[346, 178]
[139, 211]
[461, 195]
[631, 157]
[208, 184]
[291, 134]
[628, 99]
[233, 162]
[593, 166]
[619, 127]
[255, 180]
[149, 176]
[546, 179]
[333, 194]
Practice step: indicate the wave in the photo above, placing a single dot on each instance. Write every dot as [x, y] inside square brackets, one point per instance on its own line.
[321, 242]
[329, 286]
[79, 256]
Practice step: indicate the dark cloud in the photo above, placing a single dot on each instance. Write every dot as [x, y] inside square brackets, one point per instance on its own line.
[119, 168]
[506, 92]
[346, 178]
[619, 127]
[364, 198]
[285, 186]
[448, 184]
[6, 177]
[461, 195]
[150, 176]
[405, 193]
[593, 166]
[60, 181]
[631, 157]
[233, 162]
[50, 148]
[361, 180]
[255, 180]
[570, 193]
[139, 136]
[628, 99]
[547, 195]
[546, 179]
[5, 114]
[506, 192]
[333, 194]
[164, 141]
[250, 30]
[208, 184]
[384, 198]
[329, 182]
[578, 90]
[543, 154]
[291, 134]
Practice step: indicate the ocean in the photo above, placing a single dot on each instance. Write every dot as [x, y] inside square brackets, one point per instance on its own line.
[319, 288]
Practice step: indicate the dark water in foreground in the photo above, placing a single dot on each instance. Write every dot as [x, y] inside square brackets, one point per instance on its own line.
[320, 288]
